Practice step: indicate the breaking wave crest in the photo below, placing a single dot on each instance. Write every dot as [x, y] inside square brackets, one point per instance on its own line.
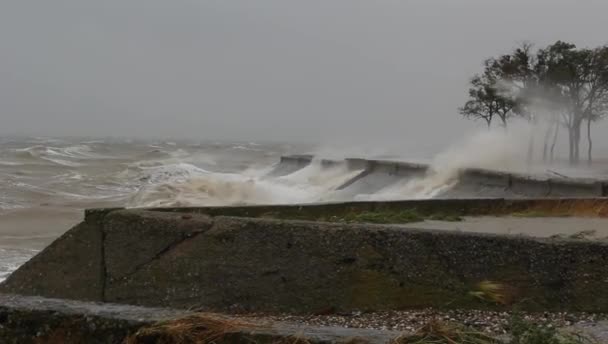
[188, 185]
[95, 173]
[70, 156]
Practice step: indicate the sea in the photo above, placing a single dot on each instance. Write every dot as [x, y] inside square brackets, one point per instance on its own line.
[46, 183]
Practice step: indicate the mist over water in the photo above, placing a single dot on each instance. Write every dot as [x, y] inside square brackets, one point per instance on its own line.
[93, 173]
[47, 182]
[85, 173]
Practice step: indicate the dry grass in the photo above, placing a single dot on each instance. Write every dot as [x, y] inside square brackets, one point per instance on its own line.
[195, 329]
[436, 332]
[494, 292]
[300, 338]
[295, 339]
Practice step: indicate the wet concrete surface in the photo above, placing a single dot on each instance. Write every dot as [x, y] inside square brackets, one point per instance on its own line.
[542, 227]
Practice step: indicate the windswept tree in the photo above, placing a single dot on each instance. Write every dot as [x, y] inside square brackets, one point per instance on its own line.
[582, 77]
[562, 84]
[486, 100]
[519, 84]
[596, 106]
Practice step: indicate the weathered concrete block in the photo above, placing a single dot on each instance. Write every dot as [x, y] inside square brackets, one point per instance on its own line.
[354, 179]
[289, 164]
[156, 233]
[36, 320]
[39, 320]
[475, 183]
[472, 182]
[529, 186]
[486, 178]
[327, 163]
[382, 166]
[406, 169]
[575, 188]
[183, 258]
[357, 164]
[298, 266]
[71, 267]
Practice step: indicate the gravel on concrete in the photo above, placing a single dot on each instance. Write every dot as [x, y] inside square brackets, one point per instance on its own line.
[491, 322]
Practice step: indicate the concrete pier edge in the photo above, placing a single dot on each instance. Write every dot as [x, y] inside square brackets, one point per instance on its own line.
[517, 182]
[292, 259]
[31, 319]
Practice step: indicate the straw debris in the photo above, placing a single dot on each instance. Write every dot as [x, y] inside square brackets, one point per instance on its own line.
[195, 329]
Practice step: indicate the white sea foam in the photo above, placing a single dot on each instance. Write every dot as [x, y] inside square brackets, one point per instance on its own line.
[186, 185]
[12, 258]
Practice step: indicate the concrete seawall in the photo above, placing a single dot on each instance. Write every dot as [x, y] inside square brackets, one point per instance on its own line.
[289, 164]
[472, 183]
[35, 320]
[285, 258]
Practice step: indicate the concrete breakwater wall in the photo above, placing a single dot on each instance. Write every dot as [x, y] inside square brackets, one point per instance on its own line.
[35, 320]
[289, 164]
[38, 320]
[261, 259]
[378, 174]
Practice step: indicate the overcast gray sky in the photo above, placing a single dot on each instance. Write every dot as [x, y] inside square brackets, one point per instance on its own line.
[256, 69]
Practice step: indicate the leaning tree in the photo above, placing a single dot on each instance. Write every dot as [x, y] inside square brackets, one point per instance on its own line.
[564, 85]
[582, 77]
[486, 100]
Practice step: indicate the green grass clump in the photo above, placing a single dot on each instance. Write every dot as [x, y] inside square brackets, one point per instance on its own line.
[445, 217]
[402, 216]
[384, 216]
[539, 213]
[395, 216]
[525, 332]
[521, 332]
[436, 332]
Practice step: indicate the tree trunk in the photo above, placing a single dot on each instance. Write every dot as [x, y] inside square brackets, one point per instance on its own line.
[577, 143]
[590, 142]
[571, 145]
[546, 143]
[575, 139]
[554, 142]
[530, 149]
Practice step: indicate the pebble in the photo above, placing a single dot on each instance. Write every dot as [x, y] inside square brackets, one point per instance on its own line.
[491, 322]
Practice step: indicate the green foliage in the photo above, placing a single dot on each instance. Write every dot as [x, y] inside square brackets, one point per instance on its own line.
[567, 84]
[436, 332]
[486, 101]
[402, 216]
[525, 332]
[396, 216]
[445, 217]
[521, 332]
[541, 213]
